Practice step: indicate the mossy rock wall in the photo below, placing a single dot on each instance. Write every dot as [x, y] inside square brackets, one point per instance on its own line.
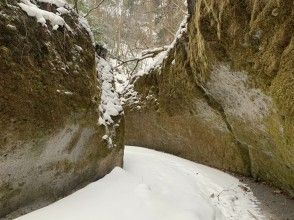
[50, 141]
[224, 95]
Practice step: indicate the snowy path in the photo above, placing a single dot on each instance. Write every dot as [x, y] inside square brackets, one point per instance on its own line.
[156, 186]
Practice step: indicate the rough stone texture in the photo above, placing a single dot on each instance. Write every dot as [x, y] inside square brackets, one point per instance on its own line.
[50, 141]
[224, 95]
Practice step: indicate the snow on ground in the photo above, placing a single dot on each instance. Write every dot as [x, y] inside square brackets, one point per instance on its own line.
[156, 186]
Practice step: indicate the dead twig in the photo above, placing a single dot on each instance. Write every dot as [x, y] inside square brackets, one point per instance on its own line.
[92, 9]
[145, 55]
[154, 51]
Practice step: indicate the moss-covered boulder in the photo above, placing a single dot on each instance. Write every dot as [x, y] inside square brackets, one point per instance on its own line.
[50, 139]
[224, 94]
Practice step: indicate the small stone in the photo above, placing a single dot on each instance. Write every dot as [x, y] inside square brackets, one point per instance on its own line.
[11, 27]
[275, 12]
[277, 191]
[244, 188]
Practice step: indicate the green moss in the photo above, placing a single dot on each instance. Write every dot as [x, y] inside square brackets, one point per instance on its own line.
[252, 37]
[38, 66]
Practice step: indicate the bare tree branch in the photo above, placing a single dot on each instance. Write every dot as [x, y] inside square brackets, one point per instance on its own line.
[137, 63]
[76, 8]
[131, 60]
[154, 51]
[180, 8]
[148, 54]
[92, 9]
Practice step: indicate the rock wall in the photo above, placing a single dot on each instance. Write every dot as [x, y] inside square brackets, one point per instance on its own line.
[224, 94]
[50, 140]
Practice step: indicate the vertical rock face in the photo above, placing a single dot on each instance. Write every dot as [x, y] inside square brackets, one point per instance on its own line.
[50, 140]
[224, 95]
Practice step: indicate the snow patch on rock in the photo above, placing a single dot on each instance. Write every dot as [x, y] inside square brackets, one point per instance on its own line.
[62, 11]
[64, 92]
[232, 89]
[129, 95]
[110, 106]
[85, 24]
[154, 63]
[58, 3]
[42, 16]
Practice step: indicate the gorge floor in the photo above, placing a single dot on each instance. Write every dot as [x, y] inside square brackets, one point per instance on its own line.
[155, 185]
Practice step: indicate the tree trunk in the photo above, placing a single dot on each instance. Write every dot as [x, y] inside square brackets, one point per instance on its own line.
[191, 6]
[76, 6]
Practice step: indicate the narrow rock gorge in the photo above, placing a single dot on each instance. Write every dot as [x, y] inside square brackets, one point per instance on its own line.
[223, 95]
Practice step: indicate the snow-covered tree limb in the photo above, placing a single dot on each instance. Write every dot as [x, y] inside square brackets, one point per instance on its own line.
[145, 55]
